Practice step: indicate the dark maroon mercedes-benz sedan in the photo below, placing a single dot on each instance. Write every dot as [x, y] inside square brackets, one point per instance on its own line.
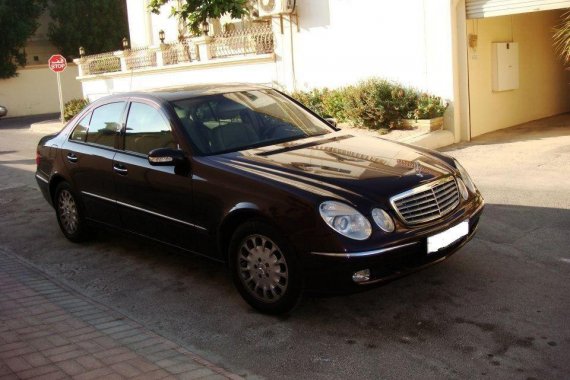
[247, 176]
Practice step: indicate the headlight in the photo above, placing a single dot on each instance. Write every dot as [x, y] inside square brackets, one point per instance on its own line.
[383, 220]
[462, 188]
[466, 178]
[345, 220]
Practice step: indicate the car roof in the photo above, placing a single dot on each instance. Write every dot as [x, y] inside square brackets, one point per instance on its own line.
[189, 91]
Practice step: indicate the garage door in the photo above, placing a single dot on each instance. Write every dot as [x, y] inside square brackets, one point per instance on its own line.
[491, 8]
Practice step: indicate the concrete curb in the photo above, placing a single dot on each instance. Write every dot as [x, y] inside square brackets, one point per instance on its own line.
[47, 127]
[432, 140]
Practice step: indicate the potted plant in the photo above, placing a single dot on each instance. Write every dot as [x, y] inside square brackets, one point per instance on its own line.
[428, 114]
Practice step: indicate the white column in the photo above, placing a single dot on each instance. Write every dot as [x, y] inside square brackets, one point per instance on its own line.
[140, 23]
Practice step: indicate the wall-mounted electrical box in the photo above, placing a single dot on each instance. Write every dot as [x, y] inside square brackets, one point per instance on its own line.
[505, 65]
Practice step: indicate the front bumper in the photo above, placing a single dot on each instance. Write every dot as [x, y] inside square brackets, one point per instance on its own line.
[331, 272]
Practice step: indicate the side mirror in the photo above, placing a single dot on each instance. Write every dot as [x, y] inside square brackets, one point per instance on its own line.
[166, 157]
[332, 121]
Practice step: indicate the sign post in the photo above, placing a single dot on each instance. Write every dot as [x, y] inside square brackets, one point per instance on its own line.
[57, 63]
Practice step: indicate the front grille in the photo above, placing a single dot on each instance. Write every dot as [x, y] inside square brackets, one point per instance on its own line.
[427, 202]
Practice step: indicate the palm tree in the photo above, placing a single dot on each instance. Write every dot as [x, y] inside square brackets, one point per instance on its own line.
[562, 38]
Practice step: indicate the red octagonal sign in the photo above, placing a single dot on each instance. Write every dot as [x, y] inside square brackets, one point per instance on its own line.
[57, 63]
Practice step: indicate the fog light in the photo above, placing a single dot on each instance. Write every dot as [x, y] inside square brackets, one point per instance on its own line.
[361, 276]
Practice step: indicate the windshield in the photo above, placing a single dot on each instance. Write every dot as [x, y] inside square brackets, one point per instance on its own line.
[243, 120]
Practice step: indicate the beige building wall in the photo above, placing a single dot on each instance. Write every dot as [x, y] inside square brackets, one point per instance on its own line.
[34, 90]
[544, 83]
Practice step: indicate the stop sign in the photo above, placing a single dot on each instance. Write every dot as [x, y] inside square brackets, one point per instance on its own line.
[57, 63]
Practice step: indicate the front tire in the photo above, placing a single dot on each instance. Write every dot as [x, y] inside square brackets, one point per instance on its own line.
[69, 213]
[264, 268]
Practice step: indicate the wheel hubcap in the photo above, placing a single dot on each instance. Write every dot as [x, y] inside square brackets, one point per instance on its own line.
[68, 211]
[262, 268]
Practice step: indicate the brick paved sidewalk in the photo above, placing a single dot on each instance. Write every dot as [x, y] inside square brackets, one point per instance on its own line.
[48, 331]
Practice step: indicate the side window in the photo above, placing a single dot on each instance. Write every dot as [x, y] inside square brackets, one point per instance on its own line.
[105, 124]
[147, 129]
[80, 131]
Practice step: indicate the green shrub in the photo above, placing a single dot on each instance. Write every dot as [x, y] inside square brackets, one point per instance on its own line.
[312, 99]
[334, 104]
[363, 107]
[374, 103]
[73, 107]
[429, 106]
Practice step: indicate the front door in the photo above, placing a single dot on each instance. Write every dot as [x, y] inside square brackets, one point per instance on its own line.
[152, 200]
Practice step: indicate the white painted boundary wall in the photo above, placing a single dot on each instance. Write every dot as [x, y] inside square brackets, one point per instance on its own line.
[342, 41]
[339, 42]
[259, 69]
[34, 90]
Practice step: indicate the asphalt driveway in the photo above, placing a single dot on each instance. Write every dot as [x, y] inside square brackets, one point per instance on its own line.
[498, 308]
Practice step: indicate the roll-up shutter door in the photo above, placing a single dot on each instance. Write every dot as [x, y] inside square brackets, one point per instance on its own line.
[491, 8]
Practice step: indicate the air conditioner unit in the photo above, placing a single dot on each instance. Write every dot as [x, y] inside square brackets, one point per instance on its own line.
[275, 7]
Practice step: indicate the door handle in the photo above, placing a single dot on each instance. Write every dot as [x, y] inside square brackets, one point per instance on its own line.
[120, 169]
[71, 157]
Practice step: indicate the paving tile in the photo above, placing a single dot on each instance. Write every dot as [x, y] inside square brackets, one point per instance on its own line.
[183, 367]
[143, 365]
[71, 367]
[95, 374]
[38, 372]
[17, 364]
[195, 374]
[50, 332]
[158, 374]
[118, 358]
[67, 355]
[16, 352]
[126, 369]
[36, 359]
[89, 362]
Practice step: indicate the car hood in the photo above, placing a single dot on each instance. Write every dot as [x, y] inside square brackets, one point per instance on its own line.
[342, 165]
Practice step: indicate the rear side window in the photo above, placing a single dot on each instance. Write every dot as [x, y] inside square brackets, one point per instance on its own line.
[105, 124]
[80, 131]
[147, 129]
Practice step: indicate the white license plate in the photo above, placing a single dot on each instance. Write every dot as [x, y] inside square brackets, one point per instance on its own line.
[447, 237]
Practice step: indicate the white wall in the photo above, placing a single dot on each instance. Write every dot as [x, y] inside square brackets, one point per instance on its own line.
[260, 69]
[144, 26]
[342, 41]
[140, 28]
[34, 90]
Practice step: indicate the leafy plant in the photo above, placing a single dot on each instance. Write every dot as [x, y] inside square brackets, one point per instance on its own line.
[429, 107]
[562, 37]
[312, 99]
[73, 107]
[196, 12]
[363, 106]
[18, 22]
[374, 103]
[334, 104]
[97, 25]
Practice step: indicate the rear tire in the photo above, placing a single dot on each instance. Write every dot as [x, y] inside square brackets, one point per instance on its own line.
[264, 268]
[69, 212]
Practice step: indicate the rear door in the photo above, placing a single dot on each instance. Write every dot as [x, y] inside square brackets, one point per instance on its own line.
[88, 155]
[152, 200]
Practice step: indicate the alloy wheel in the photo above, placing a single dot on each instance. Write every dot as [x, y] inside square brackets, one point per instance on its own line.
[68, 213]
[263, 268]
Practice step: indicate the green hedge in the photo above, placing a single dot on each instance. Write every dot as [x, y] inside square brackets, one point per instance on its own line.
[73, 107]
[374, 103]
